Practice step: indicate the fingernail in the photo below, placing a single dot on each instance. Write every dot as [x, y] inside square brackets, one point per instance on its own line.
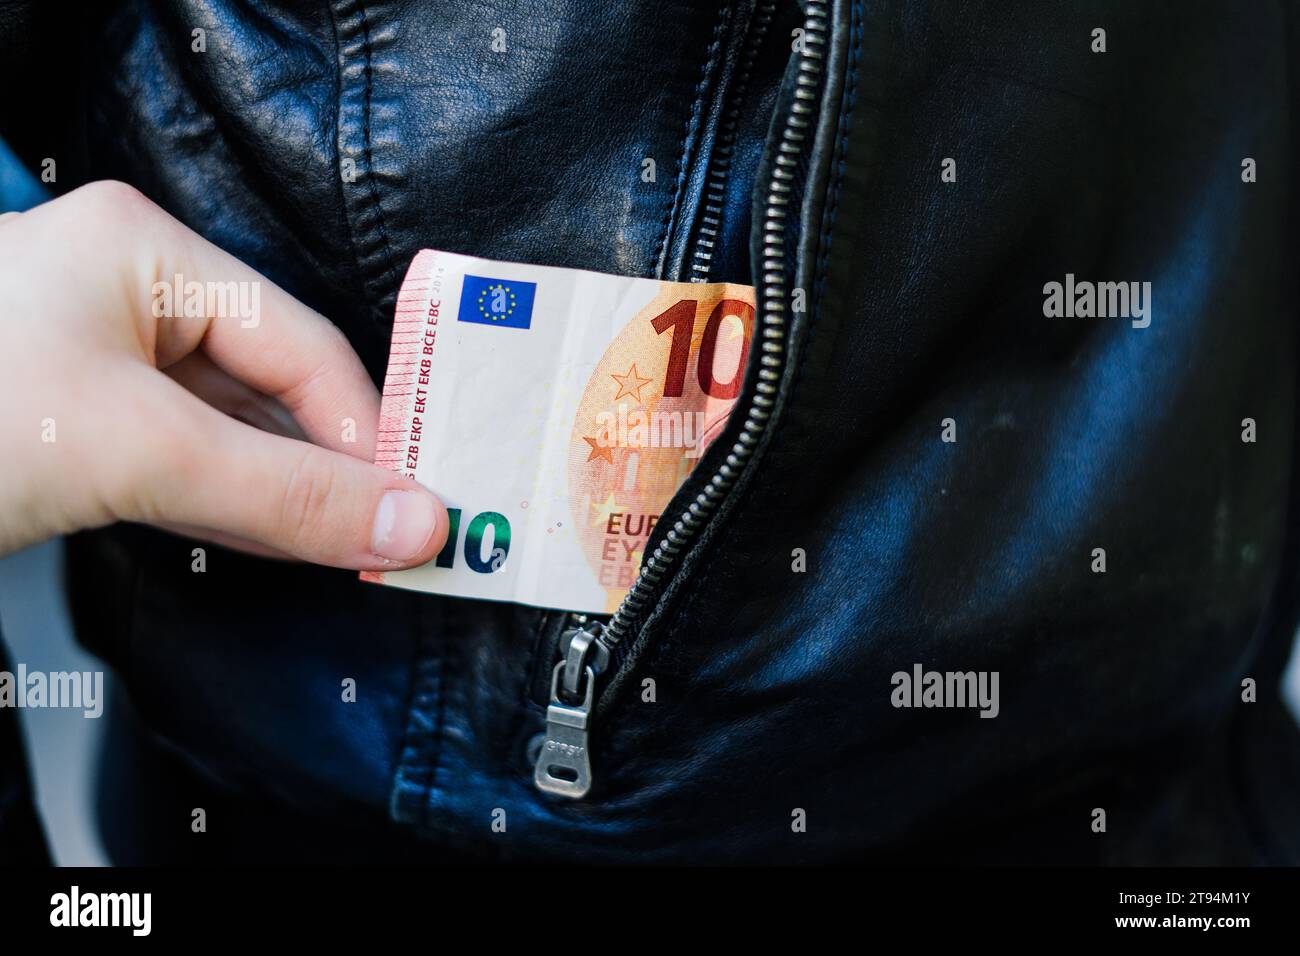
[404, 523]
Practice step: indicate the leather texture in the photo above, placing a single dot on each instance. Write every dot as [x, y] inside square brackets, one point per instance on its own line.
[1119, 690]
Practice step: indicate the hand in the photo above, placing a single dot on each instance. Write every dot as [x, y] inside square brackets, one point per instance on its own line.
[113, 411]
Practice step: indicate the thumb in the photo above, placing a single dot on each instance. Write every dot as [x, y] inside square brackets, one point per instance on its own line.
[309, 502]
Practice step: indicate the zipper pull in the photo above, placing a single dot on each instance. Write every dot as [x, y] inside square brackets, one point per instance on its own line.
[564, 763]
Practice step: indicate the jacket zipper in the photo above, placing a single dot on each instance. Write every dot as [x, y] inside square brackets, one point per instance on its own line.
[587, 647]
[715, 193]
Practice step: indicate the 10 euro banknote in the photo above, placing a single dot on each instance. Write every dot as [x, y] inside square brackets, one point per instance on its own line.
[555, 412]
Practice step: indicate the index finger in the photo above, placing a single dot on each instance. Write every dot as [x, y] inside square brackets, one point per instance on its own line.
[257, 333]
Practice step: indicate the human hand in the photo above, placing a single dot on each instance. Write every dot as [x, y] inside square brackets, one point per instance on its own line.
[112, 412]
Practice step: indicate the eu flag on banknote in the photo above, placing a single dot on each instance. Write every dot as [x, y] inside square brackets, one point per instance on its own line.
[503, 302]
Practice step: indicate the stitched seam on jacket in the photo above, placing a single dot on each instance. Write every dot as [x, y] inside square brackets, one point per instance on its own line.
[692, 118]
[841, 150]
[369, 154]
[420, 750]
[338, 152]
[433, 742]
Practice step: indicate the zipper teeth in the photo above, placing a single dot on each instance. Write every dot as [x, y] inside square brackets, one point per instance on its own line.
[773, 347]
[720, 165]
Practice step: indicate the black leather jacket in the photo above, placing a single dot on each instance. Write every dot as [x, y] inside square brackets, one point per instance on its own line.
[325, 143]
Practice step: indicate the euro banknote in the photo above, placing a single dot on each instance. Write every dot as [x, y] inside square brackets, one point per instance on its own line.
[555, 412]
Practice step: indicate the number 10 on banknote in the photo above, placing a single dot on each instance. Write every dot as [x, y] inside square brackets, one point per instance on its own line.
[556, 412]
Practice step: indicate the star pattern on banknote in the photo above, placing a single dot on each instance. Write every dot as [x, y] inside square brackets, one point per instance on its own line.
[633, 389]
[599, 450]
[603, 511]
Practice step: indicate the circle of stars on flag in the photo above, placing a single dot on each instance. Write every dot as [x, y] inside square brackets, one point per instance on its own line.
[497, 316]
